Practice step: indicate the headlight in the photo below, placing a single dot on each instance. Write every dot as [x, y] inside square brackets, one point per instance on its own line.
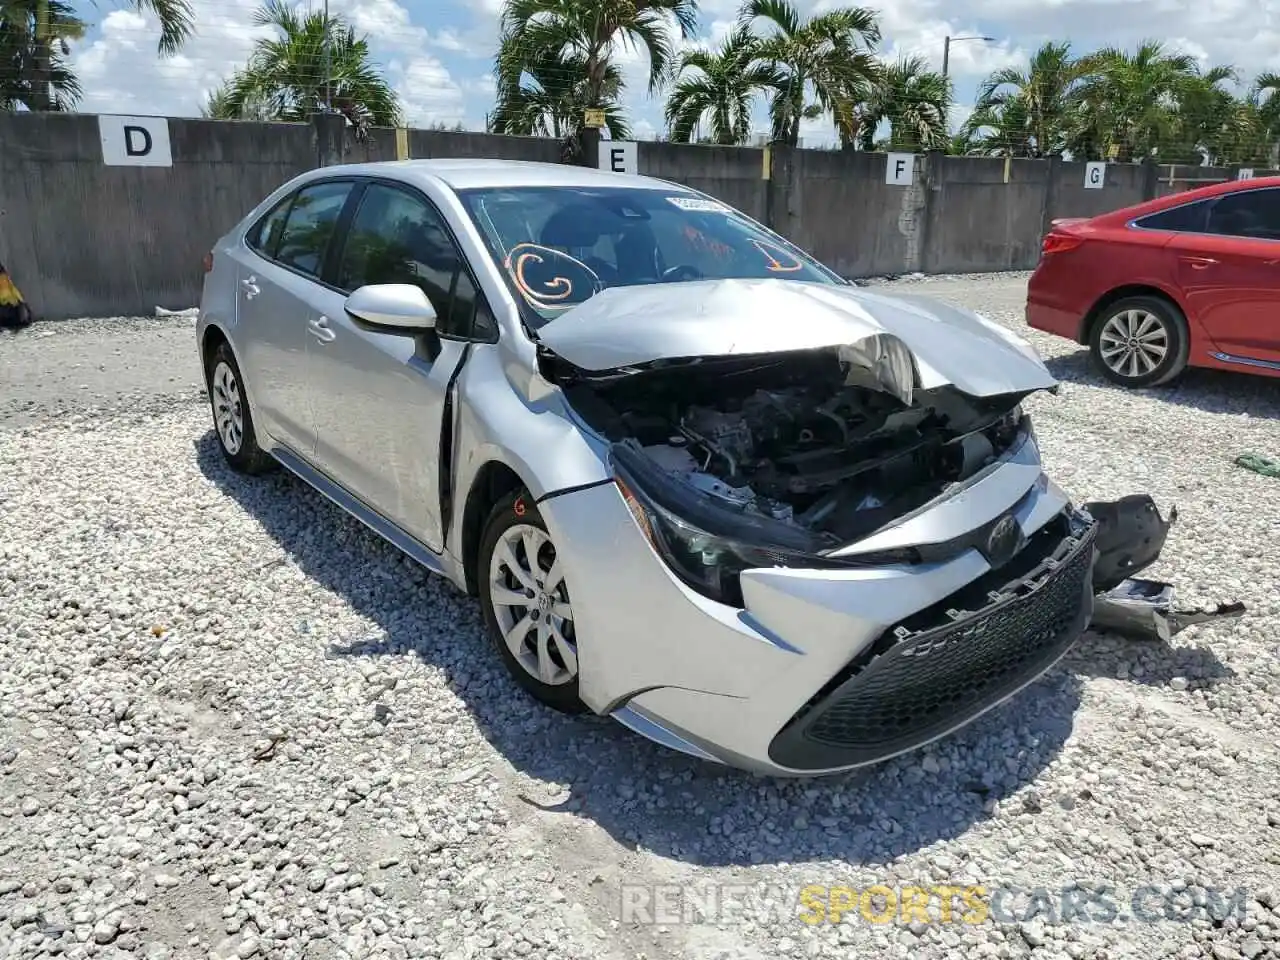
[708, 563]
[708, 546]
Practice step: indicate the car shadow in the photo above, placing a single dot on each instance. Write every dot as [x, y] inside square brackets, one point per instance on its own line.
[629, 786]
[1149, 663]
[1212, 391]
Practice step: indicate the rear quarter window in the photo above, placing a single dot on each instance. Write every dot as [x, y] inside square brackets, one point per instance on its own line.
[264, 236]
[1187, 218]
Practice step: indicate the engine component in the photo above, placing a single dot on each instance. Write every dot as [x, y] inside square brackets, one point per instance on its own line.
[726, 435]
[792, 441]
[676, 459]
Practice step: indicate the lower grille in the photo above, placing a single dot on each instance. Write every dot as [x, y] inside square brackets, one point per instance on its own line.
[943, 667]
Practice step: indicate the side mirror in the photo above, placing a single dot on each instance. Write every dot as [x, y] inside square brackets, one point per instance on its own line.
[398, 307]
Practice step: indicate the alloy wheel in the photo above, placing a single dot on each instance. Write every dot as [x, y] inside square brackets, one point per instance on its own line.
[228, 409]
[531, 603]
[1133, 343]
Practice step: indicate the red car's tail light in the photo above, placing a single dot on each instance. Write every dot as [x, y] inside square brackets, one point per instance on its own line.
[1058, 243]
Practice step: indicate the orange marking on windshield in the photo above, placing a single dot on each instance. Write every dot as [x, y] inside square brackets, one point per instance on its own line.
[554, 290]
[790, 265]
[700, 240]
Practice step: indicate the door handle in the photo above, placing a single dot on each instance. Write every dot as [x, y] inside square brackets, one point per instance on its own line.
[250, 286]
[321, 330]
[1198, 263]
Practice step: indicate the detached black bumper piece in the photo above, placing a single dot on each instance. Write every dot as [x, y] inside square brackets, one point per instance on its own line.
[1131, 534]
[941, 668]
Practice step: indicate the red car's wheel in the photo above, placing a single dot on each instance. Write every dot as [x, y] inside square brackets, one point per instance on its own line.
[1140, 342]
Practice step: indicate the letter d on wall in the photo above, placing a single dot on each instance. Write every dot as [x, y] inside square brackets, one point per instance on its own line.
[135, 141]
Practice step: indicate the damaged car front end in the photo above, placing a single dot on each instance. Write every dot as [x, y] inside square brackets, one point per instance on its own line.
[764, 480]
[826, 536]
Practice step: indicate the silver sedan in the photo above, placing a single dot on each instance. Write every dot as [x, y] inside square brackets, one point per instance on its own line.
[698, 482]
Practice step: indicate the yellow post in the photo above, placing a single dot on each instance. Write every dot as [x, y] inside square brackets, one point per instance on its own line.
[764, 173]
[402, 143]
[1008, 162]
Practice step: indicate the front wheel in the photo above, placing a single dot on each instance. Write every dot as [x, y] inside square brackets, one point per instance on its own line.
[1141, 342]
[526, 603]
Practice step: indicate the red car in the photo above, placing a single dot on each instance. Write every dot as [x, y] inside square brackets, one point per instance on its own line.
[1191, 279]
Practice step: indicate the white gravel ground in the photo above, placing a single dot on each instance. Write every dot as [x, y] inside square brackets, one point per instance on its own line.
[232, 723]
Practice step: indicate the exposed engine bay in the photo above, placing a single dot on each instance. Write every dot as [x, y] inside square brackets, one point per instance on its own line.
[788, 438]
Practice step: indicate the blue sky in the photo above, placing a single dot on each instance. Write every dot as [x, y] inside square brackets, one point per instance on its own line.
[439, 53]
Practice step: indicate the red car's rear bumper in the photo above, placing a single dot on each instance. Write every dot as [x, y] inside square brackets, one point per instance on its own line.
[1064, 323]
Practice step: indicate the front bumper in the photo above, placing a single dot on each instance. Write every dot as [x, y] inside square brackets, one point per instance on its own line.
[827, 670]
[947, 665]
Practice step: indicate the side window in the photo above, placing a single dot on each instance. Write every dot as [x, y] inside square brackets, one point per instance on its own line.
[1188, 218]
[310, 225]
[265, 235]
[397, 238]
[1253, 214]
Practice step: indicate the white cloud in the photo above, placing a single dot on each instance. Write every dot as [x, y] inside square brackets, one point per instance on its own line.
[443, 48]
[484, 84]
[385, 22]
[427, 91]
[121, 72]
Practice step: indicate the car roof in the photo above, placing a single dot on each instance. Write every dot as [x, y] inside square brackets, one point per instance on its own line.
[464, 174]
[1146, 207]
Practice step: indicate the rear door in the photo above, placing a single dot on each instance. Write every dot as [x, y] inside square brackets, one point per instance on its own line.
[279, 282]
[1230, 273]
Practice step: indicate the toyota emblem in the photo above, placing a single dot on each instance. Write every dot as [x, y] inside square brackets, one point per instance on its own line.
[1002, 541]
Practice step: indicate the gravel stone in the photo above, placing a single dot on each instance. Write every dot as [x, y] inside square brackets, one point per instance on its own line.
[234, 724]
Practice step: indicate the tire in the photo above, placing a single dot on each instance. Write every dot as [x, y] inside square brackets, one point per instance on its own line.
[1117, 327]
[232, 419]
[514, 522]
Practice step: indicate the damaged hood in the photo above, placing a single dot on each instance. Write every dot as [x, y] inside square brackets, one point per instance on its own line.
[903, 343]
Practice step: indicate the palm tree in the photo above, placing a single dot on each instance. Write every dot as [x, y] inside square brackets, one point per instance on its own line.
[914, 100]
[1266, 96]
[219, 105]
[550, 96]
[825, 64]
[583, 35]
[1211, 122]
[290, 77]
[719, 85]
[21, 59]
[1128, 101]
[49, 81]
[1029, 110]
[998, 129]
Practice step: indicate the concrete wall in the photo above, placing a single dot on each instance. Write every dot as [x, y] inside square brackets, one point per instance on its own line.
[84, 239]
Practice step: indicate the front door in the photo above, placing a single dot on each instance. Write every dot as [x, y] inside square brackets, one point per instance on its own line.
[1230, 274]
[379, 398]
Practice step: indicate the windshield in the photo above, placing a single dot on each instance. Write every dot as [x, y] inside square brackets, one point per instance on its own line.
[559, 246]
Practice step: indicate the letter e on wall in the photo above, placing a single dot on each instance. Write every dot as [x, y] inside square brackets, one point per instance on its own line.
[135, 141]
[619, 156]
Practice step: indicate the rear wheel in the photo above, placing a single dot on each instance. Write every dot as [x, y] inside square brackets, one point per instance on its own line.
[232, 420]
[1140, 342]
